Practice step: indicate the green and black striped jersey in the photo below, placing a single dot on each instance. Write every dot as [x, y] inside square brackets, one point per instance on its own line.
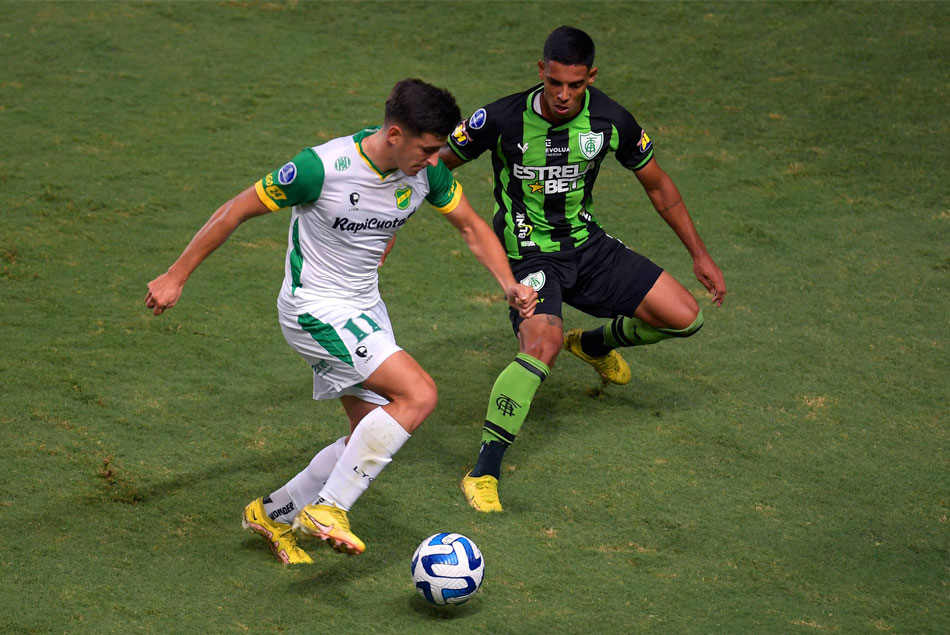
[544, 173]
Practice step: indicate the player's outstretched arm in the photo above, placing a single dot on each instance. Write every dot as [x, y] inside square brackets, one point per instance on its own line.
[449, 157]
[165, 290]
[669, 204]
[484, 245]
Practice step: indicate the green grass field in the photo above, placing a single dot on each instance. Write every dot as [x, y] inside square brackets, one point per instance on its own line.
[787, 470]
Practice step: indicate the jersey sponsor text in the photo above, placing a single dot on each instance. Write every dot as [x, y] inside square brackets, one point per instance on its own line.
[347, 225]
[552, 179]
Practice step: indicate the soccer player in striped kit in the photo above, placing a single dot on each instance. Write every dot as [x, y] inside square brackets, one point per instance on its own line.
[547, 145]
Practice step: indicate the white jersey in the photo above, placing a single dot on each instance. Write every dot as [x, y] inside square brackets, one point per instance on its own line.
[344, 212]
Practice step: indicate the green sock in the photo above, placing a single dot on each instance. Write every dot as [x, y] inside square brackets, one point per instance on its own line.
[509, 404]
[631, 331]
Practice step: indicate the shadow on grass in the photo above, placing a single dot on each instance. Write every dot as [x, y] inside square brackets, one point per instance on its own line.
[573, 398]
[121, 486]
[444, 613]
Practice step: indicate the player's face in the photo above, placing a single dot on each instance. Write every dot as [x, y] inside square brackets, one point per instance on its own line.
[413, 153]
[564, 89]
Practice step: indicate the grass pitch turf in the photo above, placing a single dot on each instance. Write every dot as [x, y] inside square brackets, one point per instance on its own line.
[784, 471]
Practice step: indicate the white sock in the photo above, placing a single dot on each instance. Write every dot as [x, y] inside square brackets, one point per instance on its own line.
[372, 445]
[303, 489]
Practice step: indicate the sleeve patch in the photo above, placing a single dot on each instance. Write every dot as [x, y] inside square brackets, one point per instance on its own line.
[478, 119]
[298, 181]
[287, 174]
[645, 142]
[272, 190]
[474, 135]
[460, 134]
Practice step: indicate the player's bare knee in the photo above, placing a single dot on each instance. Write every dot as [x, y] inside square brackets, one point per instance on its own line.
[544, 349]
[692, 328]
[425, 396]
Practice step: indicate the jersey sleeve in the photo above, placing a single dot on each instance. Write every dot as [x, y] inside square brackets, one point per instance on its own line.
[474, 135]
[298, 181]
[634, 148]
[444, 191]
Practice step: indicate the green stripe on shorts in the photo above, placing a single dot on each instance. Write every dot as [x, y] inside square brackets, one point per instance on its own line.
[325, 335]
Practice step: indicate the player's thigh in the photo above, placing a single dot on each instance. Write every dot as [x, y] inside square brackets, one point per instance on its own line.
[410, 389]
[668, 304]
[613, 279]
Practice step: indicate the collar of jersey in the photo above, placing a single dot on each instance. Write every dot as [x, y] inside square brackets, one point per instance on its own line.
[358, 139]
[535, 93]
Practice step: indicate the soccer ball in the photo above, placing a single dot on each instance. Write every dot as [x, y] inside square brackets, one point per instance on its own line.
[447, 568]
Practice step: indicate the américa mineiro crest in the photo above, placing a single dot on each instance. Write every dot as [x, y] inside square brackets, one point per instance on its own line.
[590, 143]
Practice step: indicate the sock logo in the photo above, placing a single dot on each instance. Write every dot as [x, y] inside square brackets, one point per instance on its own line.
[506, 405]
[283, 511]
[369, 479]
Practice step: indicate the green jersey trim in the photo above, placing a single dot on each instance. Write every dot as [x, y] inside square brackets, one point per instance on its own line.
[358, 138]
[296, 258]
[644, 162]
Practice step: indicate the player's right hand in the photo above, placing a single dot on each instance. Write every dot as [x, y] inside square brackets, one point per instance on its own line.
[163, 293]
[523, 298]
[710, 276]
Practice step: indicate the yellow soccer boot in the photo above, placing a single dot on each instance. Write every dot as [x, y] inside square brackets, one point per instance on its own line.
[279, 536]
[611, 367]
[481, 492]
[330, 524]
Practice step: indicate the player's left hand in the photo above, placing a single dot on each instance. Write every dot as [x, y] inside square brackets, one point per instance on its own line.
[523, 298]
[710, 277]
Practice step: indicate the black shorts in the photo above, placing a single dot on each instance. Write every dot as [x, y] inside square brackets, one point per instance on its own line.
[603, 278]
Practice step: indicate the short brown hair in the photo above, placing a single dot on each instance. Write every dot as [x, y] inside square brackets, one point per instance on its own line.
[422, 107]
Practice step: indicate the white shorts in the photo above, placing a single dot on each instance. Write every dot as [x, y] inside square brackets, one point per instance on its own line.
[343, 346]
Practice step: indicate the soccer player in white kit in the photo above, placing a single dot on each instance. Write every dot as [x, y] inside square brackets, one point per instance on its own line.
[347, 198]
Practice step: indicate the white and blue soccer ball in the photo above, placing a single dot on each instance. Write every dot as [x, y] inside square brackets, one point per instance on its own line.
[447, 568]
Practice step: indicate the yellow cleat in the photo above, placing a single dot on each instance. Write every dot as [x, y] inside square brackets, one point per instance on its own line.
[331, 525]
[280, 536]
[481, 492]
[611, 367]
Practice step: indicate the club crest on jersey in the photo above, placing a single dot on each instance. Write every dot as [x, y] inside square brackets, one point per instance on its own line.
[477, 120]
[342, 163]
[403, 196]
[287, 174]
[534, 280]
[590, 143]
[644, 141]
